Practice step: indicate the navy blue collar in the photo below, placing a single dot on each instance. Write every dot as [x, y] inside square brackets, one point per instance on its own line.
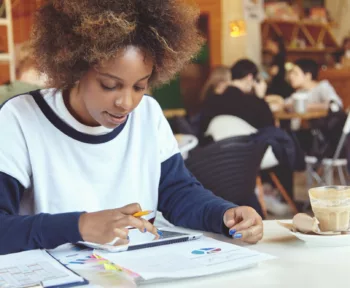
[68, 130]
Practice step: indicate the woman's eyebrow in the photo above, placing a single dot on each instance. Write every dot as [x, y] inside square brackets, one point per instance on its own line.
[116, 77]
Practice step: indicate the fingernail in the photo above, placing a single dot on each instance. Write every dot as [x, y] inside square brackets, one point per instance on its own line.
[233, 231]
[238, 236]
[160, 233]
[144, 230]
[128, 238]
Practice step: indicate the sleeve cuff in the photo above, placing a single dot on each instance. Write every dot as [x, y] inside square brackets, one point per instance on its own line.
[218, 225]
[59, 229]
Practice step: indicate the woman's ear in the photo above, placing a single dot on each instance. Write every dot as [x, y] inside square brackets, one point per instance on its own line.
[308, 76]
[249, 77]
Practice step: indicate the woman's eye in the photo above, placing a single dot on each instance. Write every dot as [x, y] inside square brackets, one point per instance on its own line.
[109, 88]
[138, 89]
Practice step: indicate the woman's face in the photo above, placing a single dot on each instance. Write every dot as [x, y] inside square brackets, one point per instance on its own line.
[108, 93]
[297, 77]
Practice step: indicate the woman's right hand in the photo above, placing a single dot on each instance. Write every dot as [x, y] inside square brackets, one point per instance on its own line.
[260, 88]
[104, 226]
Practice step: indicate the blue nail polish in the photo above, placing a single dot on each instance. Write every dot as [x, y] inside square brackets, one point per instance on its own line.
[160, 233]
[232, 232]
[144, 230]
[238, 236]
[128, 238]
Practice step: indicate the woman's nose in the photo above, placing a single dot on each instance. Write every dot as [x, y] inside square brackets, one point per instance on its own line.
[125, 102]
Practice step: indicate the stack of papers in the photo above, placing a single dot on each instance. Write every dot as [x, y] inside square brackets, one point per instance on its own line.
[33, 268]
[189, 259]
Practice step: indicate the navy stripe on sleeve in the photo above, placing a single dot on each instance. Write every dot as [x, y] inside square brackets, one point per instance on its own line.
[18, 233]
[185, 202]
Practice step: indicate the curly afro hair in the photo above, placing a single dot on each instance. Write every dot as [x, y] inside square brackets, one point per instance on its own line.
[70, 36]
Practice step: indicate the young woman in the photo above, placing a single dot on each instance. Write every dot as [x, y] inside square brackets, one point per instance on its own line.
[77, 161]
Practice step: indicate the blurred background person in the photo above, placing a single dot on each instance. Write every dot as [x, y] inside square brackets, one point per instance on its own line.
[304, 78]
[239, 99]
[278, 84]
[217, 82]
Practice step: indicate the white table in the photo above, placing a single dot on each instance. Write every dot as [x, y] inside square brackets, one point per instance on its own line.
[186, 143]
[298, 265]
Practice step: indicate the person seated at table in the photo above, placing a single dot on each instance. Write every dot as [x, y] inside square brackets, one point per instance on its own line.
[278, 84]
[320, 96]
[243, 98]
[74, 158]
[303, 77]
[217, 82]
[239, 99]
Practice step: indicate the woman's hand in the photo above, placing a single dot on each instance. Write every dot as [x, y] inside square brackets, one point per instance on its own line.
[260, 88]
[244, 223]
[105, 226]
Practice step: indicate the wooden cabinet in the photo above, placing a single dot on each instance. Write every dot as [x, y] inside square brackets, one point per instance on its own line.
[340, 79]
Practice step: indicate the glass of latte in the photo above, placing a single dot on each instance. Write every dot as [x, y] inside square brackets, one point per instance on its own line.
[331, 207]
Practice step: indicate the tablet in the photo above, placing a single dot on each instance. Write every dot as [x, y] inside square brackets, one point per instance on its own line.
[140, 240]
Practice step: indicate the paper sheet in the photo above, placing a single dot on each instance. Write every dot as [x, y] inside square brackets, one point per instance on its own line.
[32, 267]
[189, 259]
[69, 254]
[96, 269]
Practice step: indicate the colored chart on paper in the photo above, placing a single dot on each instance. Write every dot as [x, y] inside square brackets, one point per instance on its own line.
[203, 251]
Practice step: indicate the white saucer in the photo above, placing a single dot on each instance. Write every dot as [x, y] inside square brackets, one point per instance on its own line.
[323, 240]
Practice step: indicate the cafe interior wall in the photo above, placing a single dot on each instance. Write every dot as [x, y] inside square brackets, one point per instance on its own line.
[340, 11]
[180, 95]
[245, 46]
[233, 48]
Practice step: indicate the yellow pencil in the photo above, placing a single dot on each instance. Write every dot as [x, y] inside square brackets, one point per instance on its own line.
[142, 213]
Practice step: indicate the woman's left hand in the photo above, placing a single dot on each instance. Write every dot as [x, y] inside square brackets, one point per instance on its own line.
[244, 223]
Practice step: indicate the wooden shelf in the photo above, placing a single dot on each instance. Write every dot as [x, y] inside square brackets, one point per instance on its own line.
[300, 23]
[4, 22]
[9, 56]
[310, 50]
[314, 50]
[302, 37]
[4, 57]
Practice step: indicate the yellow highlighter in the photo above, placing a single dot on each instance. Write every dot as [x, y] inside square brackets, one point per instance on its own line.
[142, 213]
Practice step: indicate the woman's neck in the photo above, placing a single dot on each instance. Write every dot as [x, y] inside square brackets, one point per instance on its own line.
[76, 107]
[310, 85]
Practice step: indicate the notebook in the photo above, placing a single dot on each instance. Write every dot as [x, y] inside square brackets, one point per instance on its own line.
[36, 268]
[140, 240]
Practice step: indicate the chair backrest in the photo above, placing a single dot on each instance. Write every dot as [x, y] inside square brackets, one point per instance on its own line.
[229, 167]
[346, 131]
[226, 126]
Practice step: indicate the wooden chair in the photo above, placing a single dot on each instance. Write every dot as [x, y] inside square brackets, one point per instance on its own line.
[225, 126]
